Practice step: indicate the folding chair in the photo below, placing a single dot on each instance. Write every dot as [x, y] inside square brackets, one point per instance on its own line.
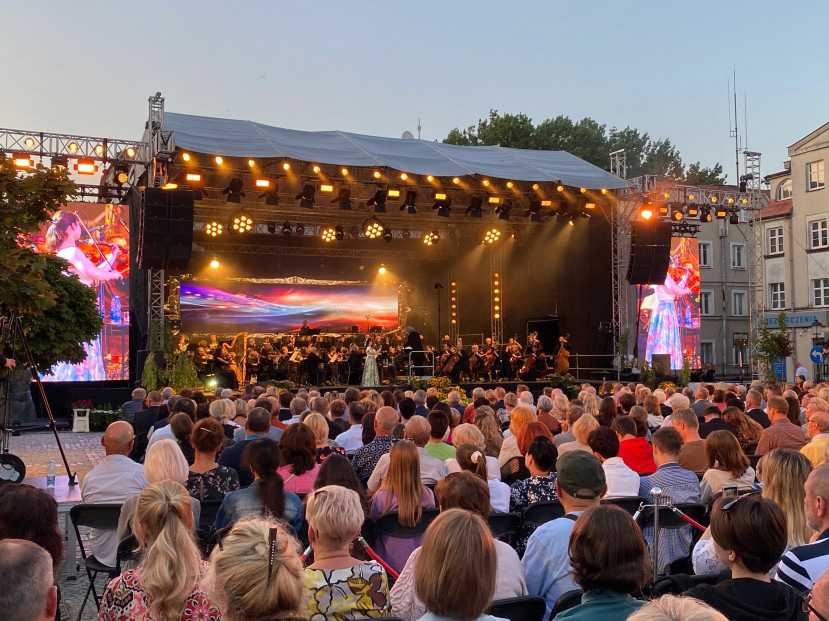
[103, 517]
[541, 512]
[628, 503]
[524, 608]
[504, 526]
[568, 600]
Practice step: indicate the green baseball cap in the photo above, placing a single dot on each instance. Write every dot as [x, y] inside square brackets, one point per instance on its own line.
[581, 475]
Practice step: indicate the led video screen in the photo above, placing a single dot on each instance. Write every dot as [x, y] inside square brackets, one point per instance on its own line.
[669, 313]
[262, 306]
[94, 239]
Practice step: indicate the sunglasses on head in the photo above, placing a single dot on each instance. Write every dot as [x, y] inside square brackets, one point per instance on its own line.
[728, 505]
[273, 544]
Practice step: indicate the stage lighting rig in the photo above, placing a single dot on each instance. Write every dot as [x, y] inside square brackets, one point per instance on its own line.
[373, 228]
[300, 229]
[721, 212]
[443, 204]
[343, 198]
[339, 233]
[534, 212]
[646, 212]
[328, 234]
[233, 191]
[504, 209]
[213, 229]
[692, 211]
[677, 214]
[306, 198]
[492, 236]
[387, 236]
[409, 202]
[378, 201]
[705, 213]
[431, 238]
[241, 222]
[475, 208]
[286, 229]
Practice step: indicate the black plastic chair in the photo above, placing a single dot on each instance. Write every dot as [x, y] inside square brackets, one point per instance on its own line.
[541, 512]
[628, 503]
[387, 525]
[677, 584]
[525, 608]
[668, 520]
[127, 552]
[102, 517]
[568, 600]
[504, 525]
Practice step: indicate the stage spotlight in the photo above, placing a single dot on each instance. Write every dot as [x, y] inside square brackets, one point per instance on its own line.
[286, 229]
[729, 200]
[99, 150]
[306, 197]
[603, 190]
[492, 236]
[373, 228]
[169, 186]
[721, 213]
[271, 196]
[443, 204]
[485, 183]
[494, 200]
[214, 264]
[534, 211]
[376, 174]
[219, 160]
[474, 210]
[456, 180]
[300, 229]
[646, 212]
[378, 201]
[692, 211]
[744, 201]
[286, 166]
[510, 184]
[734, 218]
[409, 202]
[316, 169]
[233, 191]
[327, 188]
[430, 178]
[403, 176]
[503, 210]
[662, 210]
[387, 235]
[251, 163]
[394, 194]
[213, 229]
[583, 190]
[86, 166]
[705, 213]
[263, 183]
[344, 172]
[677, 214]
[339, 233]
[713, 199]
[559, 188]
[22, 160]
[241, 223]
[571, 222]
[536, 186]
[381, 269]
[431, 238]
[343, 198]
[185, 156]
[191, 178]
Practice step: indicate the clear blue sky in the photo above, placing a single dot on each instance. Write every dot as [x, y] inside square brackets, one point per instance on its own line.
[375, 67]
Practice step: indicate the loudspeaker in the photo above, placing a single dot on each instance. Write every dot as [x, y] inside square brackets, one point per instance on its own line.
[165, 229]
[650, 249]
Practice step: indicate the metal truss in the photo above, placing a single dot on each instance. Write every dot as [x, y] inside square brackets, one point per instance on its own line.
[496, 297]
[756, 272]
[381, 251]
[50, 144]
[155, 305]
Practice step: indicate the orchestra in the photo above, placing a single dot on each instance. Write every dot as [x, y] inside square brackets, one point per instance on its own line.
[310, 358]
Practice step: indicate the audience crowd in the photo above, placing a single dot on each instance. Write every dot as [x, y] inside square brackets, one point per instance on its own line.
[311, 505]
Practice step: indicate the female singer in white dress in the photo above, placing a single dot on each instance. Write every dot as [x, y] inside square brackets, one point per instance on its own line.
[370, 375]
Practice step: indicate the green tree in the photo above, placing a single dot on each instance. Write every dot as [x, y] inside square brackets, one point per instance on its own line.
[700, 175]
[58, 312]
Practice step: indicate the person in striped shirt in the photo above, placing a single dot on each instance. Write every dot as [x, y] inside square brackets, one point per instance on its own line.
[801, 566]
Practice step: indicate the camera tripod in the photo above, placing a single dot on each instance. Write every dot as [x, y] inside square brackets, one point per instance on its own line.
[12, 468]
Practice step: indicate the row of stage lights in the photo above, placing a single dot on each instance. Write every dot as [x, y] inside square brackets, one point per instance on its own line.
[702, 208]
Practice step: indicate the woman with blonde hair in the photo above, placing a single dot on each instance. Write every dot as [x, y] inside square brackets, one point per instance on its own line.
[676, 608]
[401, 492]
[250, 546]
[590, 403]
[486, 421]
[456, 569]
[581, 431]
[467, 433]
[521, 416]
[167, 581]
[318, 425]
[337, 585]
[728, 466]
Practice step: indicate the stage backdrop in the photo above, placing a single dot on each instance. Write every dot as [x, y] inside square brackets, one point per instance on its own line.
[669, 314]
[257, 305]
[94, 239]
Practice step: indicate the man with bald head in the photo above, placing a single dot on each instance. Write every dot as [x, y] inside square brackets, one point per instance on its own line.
[29, 592]
[366, 457]
[114, 479]
[818, 431]
[432, 469]
[801, 566]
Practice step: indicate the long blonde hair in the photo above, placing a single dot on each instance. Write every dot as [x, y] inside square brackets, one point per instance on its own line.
[403, 482]
[783, 473]
[171, 567]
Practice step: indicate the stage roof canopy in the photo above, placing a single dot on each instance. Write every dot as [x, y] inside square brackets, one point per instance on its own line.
[234, 138]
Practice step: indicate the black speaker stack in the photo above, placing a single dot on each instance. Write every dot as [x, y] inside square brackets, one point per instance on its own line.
[650, 251]
[165, 233]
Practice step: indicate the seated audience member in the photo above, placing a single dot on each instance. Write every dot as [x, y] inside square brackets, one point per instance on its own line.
[352, 438]
[520, 417]
[251, 545]
[432, 470]
[626, 403]
[167, 582]
[574, 412]
[366, 457]
[516, 469]
[727, 466]
[701, 401]
[818, 431]
[782, 433]
[338, 419]
[655, 417]
[256, 428]
[675, 608]
[142, 422]
[607, 411]
[713, 421]
[754, 409]
[544, 412]
[818, 600]
[692, 456]
[460, 540]
[181, 428]
[337, 470]
[748, 431]
[207, 479]
[487, 422]
[438, 426]
[580, 484]
[676, 483]
[402, 491]
[406, 408]
[319, 426]
[337, 585]
[471, 459]
[581, 431]
[460, 490]
[468, 433]
[621, 480]
[635, 451]
[162, 429]
[136, 403]
[26, 573]
[113, 480]
[750, 594]
[802, 565]
[541, 485]
[640, 417]
[31, 514]
[610, 562]
[266, 495]
[298, 448]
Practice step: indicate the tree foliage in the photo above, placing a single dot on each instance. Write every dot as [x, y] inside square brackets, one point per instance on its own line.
[58, 312]
[587, 139]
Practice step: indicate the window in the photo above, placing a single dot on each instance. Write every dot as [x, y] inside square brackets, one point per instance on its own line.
[704, 302]
[777, 295]
[818, 234]
[784, 190]
[706, 352]
[738, 303]
[820, 291]
[814, 176]
[705, 254]
[739, 349]
[775, 240]
[738, 252]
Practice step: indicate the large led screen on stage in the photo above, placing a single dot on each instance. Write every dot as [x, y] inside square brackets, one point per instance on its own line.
[263, 306]
[669, 312]
[93, 238]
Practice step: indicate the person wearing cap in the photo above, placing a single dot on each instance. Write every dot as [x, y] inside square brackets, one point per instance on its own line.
[580, 484]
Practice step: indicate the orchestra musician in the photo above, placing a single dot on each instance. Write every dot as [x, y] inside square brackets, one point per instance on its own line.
[562, 359]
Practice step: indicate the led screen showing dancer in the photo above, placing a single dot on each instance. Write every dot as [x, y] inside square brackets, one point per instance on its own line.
[257, 306]
[669, 314]
[93, 238]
